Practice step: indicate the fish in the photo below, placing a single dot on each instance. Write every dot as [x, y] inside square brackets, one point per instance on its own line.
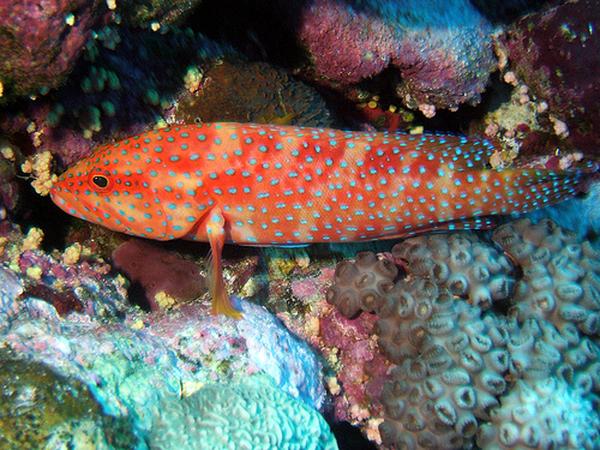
[275, 185]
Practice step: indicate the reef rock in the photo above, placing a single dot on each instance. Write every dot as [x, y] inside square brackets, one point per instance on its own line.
[40, 42]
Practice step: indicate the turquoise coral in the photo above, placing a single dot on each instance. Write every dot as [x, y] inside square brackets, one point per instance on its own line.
[252, 415]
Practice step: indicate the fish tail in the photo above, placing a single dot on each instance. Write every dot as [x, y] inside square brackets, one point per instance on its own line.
[534, 188]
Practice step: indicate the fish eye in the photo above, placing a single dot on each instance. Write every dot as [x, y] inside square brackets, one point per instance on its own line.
[99, 181]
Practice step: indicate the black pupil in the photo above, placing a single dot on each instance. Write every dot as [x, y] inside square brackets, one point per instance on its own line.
[100, 181]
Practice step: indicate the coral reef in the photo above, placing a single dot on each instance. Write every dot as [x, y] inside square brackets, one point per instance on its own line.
[450, 366]
[65, 311]
[9, 186]
[441, 50]
[544, 414]
[70, 281]
[581, 214]
[124, 82]
[461, 262]
[538, 350]
[362, 285]
[240, 91]
[443, 341]
[561, 276]
[253, 414]
[140, 13]
[359, 366]
[166, 278]
[555, 52]
[451, 362]
[40, 43]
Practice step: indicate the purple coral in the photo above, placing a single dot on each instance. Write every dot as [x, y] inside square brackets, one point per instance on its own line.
[441, 49]
[557, 54]
[40, 41]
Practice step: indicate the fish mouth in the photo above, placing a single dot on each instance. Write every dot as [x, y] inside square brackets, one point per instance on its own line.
[59, 200]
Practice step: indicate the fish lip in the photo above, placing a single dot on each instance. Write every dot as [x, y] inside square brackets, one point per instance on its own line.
[58, 199]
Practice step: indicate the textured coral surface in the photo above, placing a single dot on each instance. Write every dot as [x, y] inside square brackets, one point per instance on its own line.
[556, 54]
[456, 370]
[38, 47]
[441, 49]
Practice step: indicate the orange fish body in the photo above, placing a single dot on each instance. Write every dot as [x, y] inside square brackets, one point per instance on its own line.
[280, 185]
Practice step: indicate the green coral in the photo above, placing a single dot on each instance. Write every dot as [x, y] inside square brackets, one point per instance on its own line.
[41, 409]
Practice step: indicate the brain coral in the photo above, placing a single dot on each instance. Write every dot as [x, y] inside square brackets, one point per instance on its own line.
[561, 275]
[252, 415]
[545, 414]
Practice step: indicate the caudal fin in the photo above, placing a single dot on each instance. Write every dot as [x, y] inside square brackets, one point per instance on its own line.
[523, 190]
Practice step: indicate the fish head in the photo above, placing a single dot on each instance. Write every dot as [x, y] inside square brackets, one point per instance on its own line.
[113, 191]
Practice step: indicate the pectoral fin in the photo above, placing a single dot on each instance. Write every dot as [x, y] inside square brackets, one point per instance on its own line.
[215, 231]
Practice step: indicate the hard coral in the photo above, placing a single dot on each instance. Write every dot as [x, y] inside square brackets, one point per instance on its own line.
[449, 367]
[41, 409]
[361, 369]
[240, 91]
[442, 50]
[159, 271]
[538, 351]
[253, 414]
[40, 40]
[451, 362]
[86, 287]
[124, 83]
[362, 285]
[461, 262]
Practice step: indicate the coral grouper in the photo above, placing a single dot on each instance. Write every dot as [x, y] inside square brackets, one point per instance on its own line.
[276, 185]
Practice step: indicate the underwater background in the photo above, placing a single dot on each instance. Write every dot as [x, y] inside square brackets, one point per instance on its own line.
[463, 338]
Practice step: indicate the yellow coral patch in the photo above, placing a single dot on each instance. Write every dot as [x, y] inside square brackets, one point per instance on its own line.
[39, 166]
[164, 300]
[33, 240]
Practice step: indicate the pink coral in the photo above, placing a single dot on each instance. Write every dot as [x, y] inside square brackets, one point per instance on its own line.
[38, 43]
[441, 49]
[363, 367]
[557, 54]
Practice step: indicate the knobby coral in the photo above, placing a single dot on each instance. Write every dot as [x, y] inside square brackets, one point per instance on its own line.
[457, 370]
